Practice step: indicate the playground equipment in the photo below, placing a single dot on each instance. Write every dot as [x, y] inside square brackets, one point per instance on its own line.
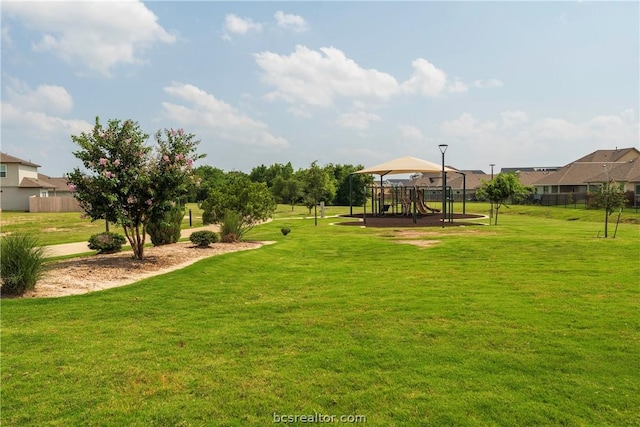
[422, 207]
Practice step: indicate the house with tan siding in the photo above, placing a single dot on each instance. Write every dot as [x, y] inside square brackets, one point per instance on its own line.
[20, 180]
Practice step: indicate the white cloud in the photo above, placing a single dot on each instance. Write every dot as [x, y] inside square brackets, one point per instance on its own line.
[235, 25]
[317, 77]
[457, 86]
[292, 22]
[522, 141]
[411, 132]
[217, 119]
[47, 98]
[359, 120]
[512, 118]
[97, 36]
[488, 84]
[465, 126]
[427, 79]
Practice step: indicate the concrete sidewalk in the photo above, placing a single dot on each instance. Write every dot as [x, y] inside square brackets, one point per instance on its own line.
[65, 249]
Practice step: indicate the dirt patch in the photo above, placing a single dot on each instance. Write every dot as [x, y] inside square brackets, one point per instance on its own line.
[419, 243]
[97, 272]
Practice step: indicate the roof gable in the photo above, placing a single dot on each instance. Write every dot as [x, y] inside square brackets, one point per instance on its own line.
[6, 158]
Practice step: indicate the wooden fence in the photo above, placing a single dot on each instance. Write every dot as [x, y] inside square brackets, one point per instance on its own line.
[53, 204]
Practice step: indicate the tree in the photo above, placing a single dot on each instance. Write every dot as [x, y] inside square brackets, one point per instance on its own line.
[205, 178]
[351, 188]
[611, 197]
[504, 187]
[288, 190]
[319, 185]
[127, 182]
[251, 200]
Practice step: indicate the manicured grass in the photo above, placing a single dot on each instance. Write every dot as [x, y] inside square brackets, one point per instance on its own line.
[532, 322]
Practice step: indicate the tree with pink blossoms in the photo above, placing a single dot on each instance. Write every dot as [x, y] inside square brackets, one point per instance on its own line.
[127, 182]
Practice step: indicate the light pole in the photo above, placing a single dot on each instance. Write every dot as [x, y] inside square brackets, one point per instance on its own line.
[443, 149]
[491, 211]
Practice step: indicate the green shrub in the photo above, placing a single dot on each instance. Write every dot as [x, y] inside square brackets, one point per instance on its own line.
[231, 224]
[203, 238]
[166, 230]
[285, 230]
[107, 242]
[21, 263]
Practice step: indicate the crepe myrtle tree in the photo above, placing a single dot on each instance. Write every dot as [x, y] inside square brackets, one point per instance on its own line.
[128, 182]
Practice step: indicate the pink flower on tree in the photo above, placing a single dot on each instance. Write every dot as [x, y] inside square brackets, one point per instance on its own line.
[179, 156]
[72, 187]
[165, 158]
[149, 202]
[131, 200]
[116, 162]
[102, 161]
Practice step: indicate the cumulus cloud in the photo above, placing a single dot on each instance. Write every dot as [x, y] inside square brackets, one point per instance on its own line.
[216, 118]
[95, 36]
[46, 98]
[427, 79]
[359, 120]
[317, 77]
[236, 25]
[295, 23]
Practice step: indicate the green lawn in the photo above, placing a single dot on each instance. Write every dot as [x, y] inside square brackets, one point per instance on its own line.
[532, 322]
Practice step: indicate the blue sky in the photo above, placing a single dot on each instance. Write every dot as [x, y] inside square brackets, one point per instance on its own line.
[510, 83]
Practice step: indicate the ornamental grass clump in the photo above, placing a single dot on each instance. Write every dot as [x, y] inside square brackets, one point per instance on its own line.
[203, 238]
[21, 263]
[107, 242]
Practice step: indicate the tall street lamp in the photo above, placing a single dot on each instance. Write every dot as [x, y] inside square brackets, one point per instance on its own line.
[491, 211]
[443, 149]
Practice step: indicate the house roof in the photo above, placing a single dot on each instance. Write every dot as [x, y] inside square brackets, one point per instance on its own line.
[6, 158]
[35, 183]
[60, 184]
[619, 165]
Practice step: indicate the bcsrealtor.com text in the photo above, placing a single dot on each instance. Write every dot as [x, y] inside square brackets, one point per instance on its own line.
[318, 418]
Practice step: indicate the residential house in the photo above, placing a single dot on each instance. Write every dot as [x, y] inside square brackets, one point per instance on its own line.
[20, 180]
[588, 173]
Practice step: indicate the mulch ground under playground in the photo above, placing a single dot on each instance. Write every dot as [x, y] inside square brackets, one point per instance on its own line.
[397, 220]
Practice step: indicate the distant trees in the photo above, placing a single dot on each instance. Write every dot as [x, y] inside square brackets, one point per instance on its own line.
[127, 182]
[504, 187]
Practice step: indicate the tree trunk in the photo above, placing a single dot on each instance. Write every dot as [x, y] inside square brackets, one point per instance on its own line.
[496, 217]
[606, 223]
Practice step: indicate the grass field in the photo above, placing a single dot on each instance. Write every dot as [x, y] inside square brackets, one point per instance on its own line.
[531, 322]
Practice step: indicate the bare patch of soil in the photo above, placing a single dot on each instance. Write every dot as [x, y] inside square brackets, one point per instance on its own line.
[93, 273]
[419, 243]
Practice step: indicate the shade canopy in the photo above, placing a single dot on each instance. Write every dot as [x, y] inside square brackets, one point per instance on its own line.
[404, 165]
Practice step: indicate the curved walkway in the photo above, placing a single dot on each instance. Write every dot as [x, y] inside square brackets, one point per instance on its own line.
[65, 249]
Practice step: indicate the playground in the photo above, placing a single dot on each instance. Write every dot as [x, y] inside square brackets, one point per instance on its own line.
[412, 206]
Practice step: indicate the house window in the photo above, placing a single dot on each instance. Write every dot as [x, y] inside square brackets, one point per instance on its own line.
[3, 171]
[44, 193]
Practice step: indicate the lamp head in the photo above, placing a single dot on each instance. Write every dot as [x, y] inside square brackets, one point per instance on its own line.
[443, 148]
